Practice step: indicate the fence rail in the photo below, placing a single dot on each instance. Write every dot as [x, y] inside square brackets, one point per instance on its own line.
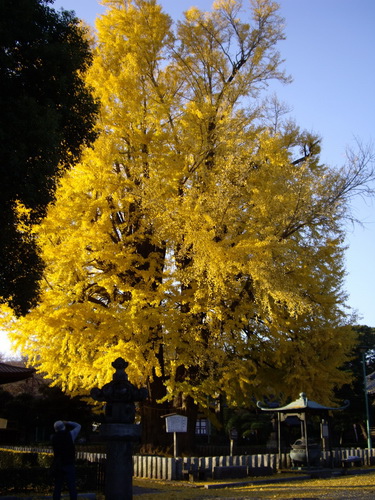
[156, 467]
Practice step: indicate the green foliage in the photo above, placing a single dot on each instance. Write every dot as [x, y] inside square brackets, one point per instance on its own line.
[31, 472]
[10, 459]
[32, 480]
[354, 391]
[366, 344]
[250, 425]
[47, 114]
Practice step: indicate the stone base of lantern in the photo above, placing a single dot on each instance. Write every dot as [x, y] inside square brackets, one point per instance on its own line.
[119, 464]
[130, 432]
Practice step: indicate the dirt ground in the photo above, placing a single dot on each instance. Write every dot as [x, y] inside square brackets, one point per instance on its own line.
[354, 486]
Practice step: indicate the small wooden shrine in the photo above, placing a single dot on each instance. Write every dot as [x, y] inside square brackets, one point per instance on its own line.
[303, 451]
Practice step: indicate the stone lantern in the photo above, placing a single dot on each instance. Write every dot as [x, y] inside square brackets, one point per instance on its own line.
[119, 430]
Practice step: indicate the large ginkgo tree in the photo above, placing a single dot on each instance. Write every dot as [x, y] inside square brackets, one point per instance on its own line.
[197, 239]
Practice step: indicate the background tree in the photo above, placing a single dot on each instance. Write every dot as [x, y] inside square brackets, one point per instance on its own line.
[351, 424]
[196, 240]
[47, 115]
[31, 414]
[366, 344]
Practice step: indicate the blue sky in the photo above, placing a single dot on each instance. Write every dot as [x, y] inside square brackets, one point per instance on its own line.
[329, 52]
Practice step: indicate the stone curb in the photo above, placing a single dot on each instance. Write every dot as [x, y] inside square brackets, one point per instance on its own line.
[302, 477]
[255, 482]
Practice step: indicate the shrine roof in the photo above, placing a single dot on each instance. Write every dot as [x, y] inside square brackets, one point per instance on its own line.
[301, 404]
[11, 373]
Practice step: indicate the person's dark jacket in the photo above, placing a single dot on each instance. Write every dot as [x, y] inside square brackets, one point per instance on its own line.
[63, 445]
[63, 448]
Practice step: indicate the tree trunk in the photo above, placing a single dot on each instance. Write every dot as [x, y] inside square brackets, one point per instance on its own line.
[154, 436]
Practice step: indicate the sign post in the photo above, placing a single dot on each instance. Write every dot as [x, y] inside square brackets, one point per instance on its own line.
[175, 423]
[233, 435]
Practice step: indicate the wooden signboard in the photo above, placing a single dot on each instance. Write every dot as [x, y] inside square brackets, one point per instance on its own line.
[176, 423]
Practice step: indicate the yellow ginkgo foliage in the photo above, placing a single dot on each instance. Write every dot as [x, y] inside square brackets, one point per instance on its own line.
[194, 240]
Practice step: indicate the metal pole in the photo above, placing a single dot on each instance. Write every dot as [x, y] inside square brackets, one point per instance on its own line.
[279, 439]
[304, 415]
[369, 444]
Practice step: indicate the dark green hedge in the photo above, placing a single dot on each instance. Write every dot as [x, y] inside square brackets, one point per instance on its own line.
[14, 459]
[40, 479]
[31, 472]
[32, 479]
